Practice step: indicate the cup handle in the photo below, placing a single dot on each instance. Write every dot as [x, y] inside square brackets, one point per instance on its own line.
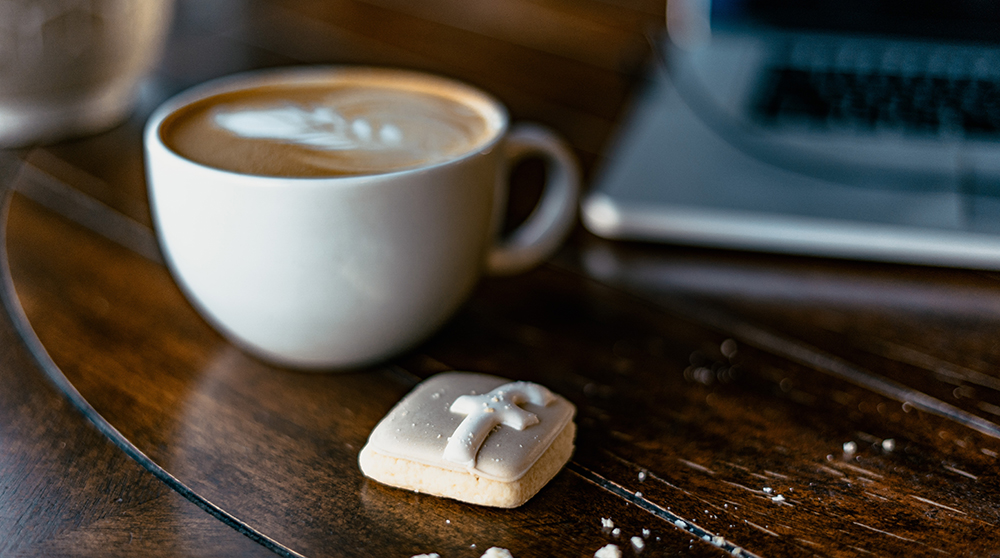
[550, 222]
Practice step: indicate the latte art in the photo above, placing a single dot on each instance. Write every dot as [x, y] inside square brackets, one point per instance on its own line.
[325, 130]
[319, 127]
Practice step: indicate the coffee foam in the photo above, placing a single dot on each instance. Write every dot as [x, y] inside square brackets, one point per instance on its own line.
[340, 128]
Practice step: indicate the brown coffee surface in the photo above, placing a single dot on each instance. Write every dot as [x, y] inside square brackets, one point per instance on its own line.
[326, 129]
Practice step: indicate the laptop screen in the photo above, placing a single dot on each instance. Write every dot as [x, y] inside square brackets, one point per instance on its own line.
[964, 20]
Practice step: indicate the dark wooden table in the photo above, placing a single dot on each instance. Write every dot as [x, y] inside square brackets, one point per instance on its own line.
[728, 403]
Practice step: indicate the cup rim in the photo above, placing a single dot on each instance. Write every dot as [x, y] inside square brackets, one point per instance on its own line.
[489, 106]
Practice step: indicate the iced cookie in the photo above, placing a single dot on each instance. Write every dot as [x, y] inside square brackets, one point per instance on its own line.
[472, 437]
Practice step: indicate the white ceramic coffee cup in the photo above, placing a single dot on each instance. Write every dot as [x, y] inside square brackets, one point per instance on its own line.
[69, 68]
[344, 271]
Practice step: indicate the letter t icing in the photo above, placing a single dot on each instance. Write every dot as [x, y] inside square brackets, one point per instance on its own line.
[484, 412]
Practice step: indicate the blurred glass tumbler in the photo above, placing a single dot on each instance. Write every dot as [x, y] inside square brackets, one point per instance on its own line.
[71, 67]
[337, 216]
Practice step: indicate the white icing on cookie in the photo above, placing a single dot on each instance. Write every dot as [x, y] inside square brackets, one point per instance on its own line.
[484, 412]
[418, 427]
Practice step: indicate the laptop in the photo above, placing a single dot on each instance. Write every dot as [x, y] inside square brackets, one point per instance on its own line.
[863, 129]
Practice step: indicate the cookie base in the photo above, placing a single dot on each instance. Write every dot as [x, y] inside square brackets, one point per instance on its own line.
[466, 486]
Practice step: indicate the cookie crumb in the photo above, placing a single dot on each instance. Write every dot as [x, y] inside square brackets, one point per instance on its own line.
[606, 523]
[431, 555]
[497, 552]
[616, 532]
[609, 551]
[645, 533]
[638, 544]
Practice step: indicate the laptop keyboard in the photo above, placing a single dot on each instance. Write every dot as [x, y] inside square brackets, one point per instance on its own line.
[870, 100]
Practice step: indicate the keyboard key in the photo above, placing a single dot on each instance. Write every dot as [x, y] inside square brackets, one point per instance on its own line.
[864, 100]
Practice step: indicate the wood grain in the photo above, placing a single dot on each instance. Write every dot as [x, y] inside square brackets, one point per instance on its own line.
[719, 437]
[277, 449]
[66, 490]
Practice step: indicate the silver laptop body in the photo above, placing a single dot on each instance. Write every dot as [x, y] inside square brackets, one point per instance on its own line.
[849, 129]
